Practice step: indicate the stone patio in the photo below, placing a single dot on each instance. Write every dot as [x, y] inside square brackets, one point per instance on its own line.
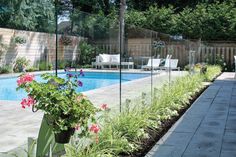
[208, 128]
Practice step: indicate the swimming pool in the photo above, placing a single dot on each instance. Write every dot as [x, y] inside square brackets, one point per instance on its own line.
[91, 80]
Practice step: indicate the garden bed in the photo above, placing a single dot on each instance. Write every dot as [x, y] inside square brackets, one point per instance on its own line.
[135, 131]
[156, 135]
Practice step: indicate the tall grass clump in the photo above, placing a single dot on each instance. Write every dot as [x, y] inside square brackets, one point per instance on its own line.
[212, 72]
[171, 98]
[124, 133]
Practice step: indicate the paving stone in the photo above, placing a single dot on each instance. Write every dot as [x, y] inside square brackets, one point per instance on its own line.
[198, 109]
[210, 134]
[229, 143]
[228, 154]
[232, 109]
[186, 125]
[219, 124]
[219, 108]
[177, 139]
[166, 151]
[217, 115]
[200, 153]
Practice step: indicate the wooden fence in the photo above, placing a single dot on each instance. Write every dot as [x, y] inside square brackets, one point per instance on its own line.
[38, 47]
[204, 52]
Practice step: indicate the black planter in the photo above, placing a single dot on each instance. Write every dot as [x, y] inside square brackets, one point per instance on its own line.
[63, 137]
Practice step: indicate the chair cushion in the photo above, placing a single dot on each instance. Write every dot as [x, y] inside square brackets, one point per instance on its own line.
[97, 59]
[115, 58]
[104, 57]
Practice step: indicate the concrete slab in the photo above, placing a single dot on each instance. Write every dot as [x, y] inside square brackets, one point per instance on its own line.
[228, 154]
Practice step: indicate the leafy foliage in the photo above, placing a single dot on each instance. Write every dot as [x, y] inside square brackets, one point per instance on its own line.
[206, 21]
[28, 15]
[123, 133]
[5, 69]
[98, 24]
[87, 53]
[212, 72]
[43, 65]
[62, 105]
[19, 40]
[20, 64]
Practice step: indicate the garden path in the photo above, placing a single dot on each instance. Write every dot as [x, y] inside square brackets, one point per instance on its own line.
[208, 127]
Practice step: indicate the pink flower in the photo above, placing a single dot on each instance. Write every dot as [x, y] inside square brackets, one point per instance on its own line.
[104, 107]
[27, 102]
[25, 79]
[94, 128]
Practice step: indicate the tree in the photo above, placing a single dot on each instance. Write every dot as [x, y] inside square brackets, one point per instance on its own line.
[28, 15]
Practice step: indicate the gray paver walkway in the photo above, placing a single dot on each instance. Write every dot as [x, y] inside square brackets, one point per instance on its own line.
[208, 128]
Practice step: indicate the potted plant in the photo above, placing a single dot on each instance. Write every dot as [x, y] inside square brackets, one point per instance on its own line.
[19, 40]
[64, 108]
[20, 64]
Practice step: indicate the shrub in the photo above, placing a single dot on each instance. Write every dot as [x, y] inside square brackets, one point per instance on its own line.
[212, 72]
[63, 64]
[21, 64]
[87, 53]
[31, 69]
[43, 65]
[5, 69]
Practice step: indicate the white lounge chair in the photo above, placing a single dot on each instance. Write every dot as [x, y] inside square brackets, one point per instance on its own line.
[235, 67]
[109, 60]
[171, 64]
[152, 64]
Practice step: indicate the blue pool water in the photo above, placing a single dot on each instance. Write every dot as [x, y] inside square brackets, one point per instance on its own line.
[91, 80]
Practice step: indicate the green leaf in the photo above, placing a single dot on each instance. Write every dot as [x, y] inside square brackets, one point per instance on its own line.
[45, 139]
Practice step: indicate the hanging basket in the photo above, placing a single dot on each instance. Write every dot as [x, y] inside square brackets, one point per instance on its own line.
[65, 40]
[63, 137]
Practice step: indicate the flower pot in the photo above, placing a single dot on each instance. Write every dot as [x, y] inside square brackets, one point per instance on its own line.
[64, 136]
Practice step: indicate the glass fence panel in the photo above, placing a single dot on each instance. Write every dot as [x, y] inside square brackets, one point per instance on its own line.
[92, 46]
[26, 52]
[136, 69]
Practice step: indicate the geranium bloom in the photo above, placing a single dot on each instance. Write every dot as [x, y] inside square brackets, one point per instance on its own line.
[80, 83]
[94, 128]
[104, 107]
[24, 79]
[27, 102]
